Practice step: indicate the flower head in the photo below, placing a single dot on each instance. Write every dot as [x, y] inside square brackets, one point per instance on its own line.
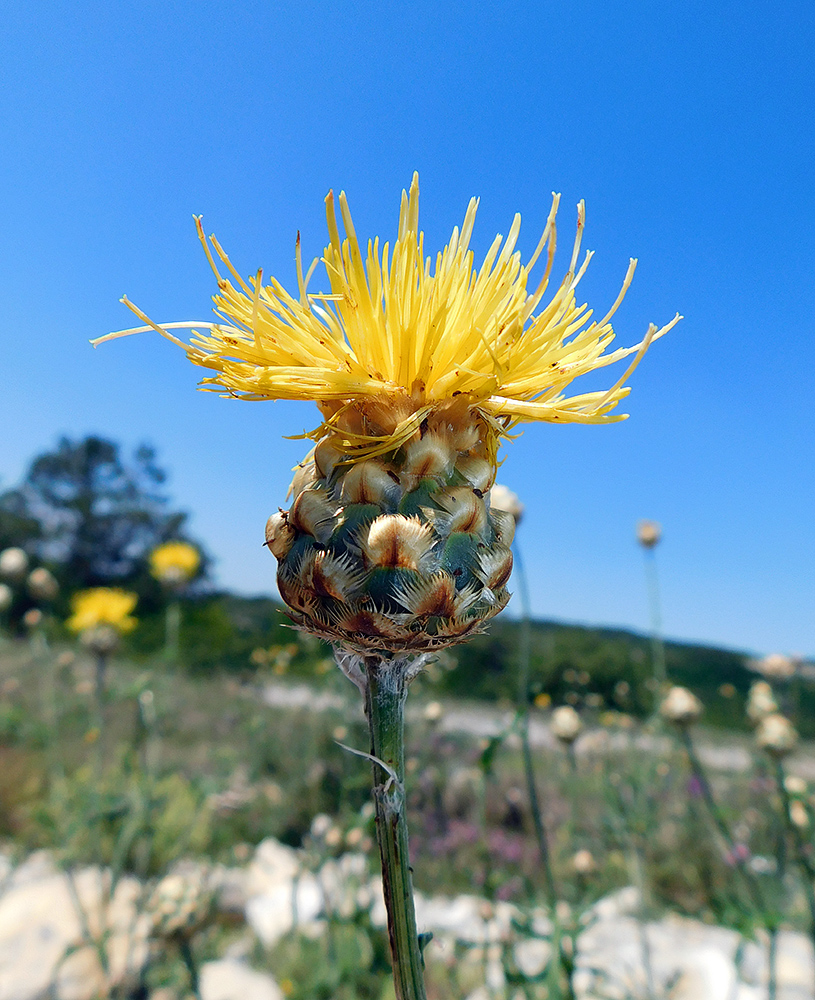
[760, 701]
[777, 735]
[173, 563]
[13, 564]
[102, 606]
[681, 706]
[777, 667]
[409, 334]
[502, 498]
[648, 533]
[42, 584]
[566, 724]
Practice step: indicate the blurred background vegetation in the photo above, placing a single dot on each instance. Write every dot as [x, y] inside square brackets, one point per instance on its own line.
[92, 515]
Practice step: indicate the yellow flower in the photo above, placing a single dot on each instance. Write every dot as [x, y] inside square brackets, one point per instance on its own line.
[411, 333]
[102, 606]
[174, 562]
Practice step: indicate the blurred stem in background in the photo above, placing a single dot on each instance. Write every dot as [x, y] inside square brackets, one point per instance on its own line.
[172, 631]
[794, 821]
[526, 748]
[565, 950]
[738, 857]
[649, 534]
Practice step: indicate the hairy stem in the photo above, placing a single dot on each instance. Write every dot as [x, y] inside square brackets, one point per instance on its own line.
[385, 696]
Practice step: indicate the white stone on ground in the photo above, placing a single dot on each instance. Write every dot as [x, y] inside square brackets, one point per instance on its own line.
[231, 980]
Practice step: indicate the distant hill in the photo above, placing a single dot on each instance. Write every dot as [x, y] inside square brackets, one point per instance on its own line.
[601, 668]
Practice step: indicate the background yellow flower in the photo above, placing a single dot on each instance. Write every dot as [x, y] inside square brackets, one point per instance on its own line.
[174, 562]
[103, 606]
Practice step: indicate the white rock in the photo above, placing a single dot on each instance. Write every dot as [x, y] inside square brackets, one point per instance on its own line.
[708, 975]
[532, 956]
[285, 906]
[273, 864]
[39, 923]
[231, 980]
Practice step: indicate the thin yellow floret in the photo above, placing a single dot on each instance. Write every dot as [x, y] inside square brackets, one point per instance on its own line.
[397, 324]
[102, 606]
[175, 559]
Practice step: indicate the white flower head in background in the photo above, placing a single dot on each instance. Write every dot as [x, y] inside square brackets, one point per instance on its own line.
[566, 724]
[681, 706]
[13, 564]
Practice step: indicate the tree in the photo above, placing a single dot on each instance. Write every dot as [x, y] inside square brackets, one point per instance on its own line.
[91, 513]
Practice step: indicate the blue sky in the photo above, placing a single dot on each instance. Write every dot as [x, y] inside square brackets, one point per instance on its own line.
[688, 131]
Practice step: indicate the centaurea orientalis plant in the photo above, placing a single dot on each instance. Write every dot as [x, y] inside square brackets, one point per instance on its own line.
[390, 548]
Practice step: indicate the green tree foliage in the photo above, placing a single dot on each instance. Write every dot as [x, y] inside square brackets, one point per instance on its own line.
[92, 513]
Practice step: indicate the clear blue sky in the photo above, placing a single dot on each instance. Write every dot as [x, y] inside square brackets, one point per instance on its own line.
[688, 130]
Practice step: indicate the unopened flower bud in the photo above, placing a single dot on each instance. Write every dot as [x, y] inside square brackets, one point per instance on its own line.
[760, 701]
[799, 816]
[433, 711]
[6, 597]
[776, 734]
[795, 785]
[32, 618]
[42, 585]
[102, 639]
[566, 724]
[502, 498]
[13, 564]
[681, 706]
[777, 667]
[648, 533]
[583, 862]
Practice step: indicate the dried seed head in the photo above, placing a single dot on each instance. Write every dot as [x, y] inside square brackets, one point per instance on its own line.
[313, 513]
[367, 482]
[467, 510]
[279, 534]
[566, 724]
[394, 540]
[681, 706]
[776, 734]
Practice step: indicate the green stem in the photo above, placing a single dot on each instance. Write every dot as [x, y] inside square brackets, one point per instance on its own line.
[172, 631]
[802, 856]
[657, 645]
[526, 748]
[719, 822]
[385, 696]
[188, 959]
